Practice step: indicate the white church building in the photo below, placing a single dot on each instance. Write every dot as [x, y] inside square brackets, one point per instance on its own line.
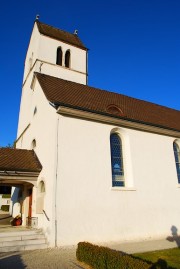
[88, 164]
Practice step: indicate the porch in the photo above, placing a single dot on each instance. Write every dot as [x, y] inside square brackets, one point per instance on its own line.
[19, 169]
[19, 238]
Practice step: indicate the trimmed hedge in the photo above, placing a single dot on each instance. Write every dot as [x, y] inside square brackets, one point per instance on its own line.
[105, 258]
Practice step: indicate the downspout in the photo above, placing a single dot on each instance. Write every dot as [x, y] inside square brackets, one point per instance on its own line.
[56, 178]
[86, 67]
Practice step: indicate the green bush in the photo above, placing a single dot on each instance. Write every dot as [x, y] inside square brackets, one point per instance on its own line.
[5, 207]
[106, 258]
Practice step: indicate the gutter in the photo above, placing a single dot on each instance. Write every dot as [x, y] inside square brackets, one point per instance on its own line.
[87, 67]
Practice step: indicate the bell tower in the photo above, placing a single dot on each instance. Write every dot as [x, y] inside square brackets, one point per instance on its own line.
[56, 53]
[52, 52]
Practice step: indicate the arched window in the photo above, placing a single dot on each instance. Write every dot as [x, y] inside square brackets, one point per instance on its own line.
[40, 197]
[41, 187]
[59, 56]
[177, 159]
[35, 111]
[117, 161]
[33, 144]
[67, 58]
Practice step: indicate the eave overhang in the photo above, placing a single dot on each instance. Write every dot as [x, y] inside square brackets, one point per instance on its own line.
[114, 120]
[15, 178]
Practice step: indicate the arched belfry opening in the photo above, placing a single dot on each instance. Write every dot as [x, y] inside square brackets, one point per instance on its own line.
[59, 56]
[67, 58]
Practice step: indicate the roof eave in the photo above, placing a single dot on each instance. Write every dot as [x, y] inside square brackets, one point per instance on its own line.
[114, 120]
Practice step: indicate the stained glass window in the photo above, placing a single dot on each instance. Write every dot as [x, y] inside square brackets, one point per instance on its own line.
[117, 161]
[177, 159]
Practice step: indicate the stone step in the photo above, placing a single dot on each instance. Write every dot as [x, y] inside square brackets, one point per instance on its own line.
[21, 237]
[19, 233]
[22, 240]
[22, 248]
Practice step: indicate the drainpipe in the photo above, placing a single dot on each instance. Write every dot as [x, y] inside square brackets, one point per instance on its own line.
[56, 178]
[86, 67]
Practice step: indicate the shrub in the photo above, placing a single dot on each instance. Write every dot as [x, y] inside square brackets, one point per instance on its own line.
[5, 207]
[106, 258]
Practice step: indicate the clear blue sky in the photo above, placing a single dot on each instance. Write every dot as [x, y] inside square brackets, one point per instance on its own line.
[134, 48]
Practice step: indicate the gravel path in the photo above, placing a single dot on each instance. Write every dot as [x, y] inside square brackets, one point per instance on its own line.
[56, 258]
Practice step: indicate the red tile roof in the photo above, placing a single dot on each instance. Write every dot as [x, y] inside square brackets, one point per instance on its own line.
[75, 95]
[19, 160]
[61, 35]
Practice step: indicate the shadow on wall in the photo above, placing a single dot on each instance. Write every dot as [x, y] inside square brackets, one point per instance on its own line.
[174, 236]
[17, 201]
[14, 199]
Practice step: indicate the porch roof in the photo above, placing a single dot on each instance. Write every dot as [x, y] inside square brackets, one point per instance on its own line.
[22, 160]
[18, 167]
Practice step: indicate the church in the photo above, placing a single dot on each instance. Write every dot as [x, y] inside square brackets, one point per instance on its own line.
[89, 164]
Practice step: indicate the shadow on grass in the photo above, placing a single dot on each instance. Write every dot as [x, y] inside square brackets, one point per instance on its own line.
[161, 264]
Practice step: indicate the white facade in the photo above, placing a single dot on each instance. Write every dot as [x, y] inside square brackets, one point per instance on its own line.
[79, 201]
[90, 209]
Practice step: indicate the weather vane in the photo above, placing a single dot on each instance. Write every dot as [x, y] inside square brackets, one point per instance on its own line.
[37, 17]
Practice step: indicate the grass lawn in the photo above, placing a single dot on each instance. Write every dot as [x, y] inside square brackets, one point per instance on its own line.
[169, 258]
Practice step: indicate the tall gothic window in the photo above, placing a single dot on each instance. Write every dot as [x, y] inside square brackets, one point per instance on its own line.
[59, 56]
[177, 159]
[117, 161]
[67, 58]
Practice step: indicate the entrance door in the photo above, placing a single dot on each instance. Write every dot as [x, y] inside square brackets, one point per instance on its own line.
[30, 204]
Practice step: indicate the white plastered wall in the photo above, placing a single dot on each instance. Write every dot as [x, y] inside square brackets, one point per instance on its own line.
[32, 52]
[43, 128]
[77, 59]
[89, 209]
